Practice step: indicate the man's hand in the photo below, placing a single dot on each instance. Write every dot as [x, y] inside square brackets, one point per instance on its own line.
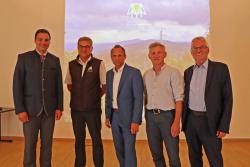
[175, 129]
[58, 114]
[107, 123]
[220, 134]
[134, 128]
[23, 117]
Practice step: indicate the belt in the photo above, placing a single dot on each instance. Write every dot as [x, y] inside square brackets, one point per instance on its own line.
[115, 109]
[157, 111]
[198, 113]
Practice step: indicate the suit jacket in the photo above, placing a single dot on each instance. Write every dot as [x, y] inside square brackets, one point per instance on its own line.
[218, 96]
[27, 84]
[129, 98]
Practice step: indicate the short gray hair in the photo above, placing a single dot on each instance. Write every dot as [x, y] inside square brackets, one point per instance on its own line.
[155, 44]
[200, 38]
[85, 39]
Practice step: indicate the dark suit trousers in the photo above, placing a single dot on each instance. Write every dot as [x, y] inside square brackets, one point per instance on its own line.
[31, 129]
[197, 135]
[93, 121]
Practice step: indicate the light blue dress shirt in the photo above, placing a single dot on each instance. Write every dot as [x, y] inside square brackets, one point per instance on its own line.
[197, 88]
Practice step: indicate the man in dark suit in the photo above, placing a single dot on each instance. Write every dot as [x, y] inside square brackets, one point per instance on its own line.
[207, 105]
[124, 101]
[38, 98]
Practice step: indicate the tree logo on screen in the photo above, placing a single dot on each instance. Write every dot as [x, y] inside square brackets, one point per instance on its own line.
[136, 10]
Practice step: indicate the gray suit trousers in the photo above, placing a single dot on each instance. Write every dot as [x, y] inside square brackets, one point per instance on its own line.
[45, 125]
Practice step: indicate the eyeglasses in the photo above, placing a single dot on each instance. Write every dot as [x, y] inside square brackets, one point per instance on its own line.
[201, 47]
[86, 46]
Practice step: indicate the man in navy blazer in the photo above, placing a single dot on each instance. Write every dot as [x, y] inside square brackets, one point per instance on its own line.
[38, 98]
[207, 105]
[124, 103]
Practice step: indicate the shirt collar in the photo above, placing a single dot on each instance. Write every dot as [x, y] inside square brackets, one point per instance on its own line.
[81, 62]
[41, 53]
[120, 69]
[204, 65]
[162, 67]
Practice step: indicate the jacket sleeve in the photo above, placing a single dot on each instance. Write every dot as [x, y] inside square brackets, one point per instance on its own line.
[227, 102]
[108, 98]
[137, 86]
[59, 86]
[18, 85]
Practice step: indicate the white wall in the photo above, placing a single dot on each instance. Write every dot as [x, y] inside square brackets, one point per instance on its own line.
[19, 20]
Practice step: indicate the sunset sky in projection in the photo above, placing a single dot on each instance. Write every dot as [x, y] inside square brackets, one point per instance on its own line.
[110, 21]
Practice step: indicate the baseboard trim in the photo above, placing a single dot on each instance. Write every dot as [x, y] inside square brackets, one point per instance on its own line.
[110, 140]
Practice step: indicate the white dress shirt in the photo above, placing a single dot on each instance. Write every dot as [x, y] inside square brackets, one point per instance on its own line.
[116, 82]
[197, 88]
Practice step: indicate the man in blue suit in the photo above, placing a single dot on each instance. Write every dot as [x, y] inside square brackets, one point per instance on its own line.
[124, 101]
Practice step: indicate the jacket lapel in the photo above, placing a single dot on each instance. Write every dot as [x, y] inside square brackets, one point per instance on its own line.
[209, 76]
[122, 80]
[111, 81]
[36, 61]
[189, 75]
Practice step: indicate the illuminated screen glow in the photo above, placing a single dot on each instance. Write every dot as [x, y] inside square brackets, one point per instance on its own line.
[134, 25]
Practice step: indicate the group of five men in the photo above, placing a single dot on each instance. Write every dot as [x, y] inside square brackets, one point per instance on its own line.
[205, 109]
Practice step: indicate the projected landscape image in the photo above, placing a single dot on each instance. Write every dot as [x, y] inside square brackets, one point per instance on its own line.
[134, 25]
